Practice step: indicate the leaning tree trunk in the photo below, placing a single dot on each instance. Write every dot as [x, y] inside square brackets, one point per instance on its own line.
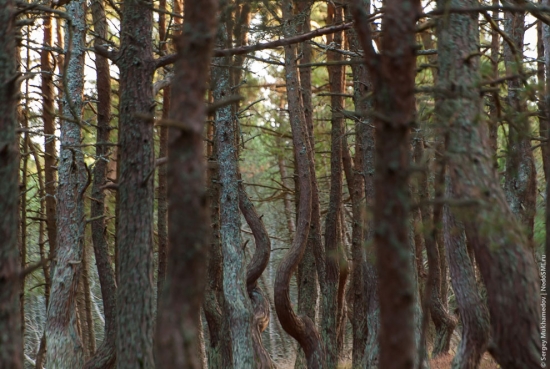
[105, 355]
[520, 178]
[64, 343]
[11, 354]
[134, 263]
[500, 245]
[393, 73]
[473, 312]
[177, 334]
[301, 328]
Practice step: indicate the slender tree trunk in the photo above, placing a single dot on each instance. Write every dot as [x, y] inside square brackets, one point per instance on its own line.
[177, 335]
[501, 248]
[64, 342]
[443, 321]
[105, 356]
[11, 354]
[494, 105]
[307, 274]
[332, 230]
[520, 177]
[237, 303]
[393, 72]
[544, 123]
[300, 327]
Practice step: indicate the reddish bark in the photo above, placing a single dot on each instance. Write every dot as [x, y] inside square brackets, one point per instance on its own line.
[301, 327]
[393, 73]
[179, 315]
[105, 355]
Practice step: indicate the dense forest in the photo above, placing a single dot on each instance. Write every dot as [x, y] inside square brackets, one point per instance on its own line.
[274, 184]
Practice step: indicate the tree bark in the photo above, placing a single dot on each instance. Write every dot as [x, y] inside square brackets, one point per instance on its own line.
[520, 180]
[11, 354]
[135, 293]
[330, 311]
[505, 262]
[177, 334]
[105, 356]
[64, 342]
[300, 327]
[237, 303]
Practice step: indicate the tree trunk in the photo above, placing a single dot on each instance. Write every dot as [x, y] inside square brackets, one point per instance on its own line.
[520, 178]
[135, 293]
[11, 354]
[105, 356]
[473, 312]
[329, 288]
[393, 73]
[177, 334]
[237, 303]
[300, 327]
[64, 343]
[307, 274]
[501, 248]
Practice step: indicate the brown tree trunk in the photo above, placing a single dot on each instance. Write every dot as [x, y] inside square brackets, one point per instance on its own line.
[135, 293]
[11, 354]
[520, 177]
[177, 333]
[307, 274]
[544, 123]
[393, 74]
[329, 288]
[501, 248]
[105, 356]
[64, 343]
[300, 327]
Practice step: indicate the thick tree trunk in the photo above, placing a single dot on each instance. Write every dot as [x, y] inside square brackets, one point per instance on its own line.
[135, 293]
[501, 248]
[64, 342]
[300, 327]
[11, 354]
[105, 355]
[520, 177]
[177, 335]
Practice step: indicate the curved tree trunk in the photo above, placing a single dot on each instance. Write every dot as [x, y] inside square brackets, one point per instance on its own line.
[177, 335]
[260, 260]
[301, 327]
[63, 337]
[473, 312]
[11, 354]
[501, 248]
[105, 356]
